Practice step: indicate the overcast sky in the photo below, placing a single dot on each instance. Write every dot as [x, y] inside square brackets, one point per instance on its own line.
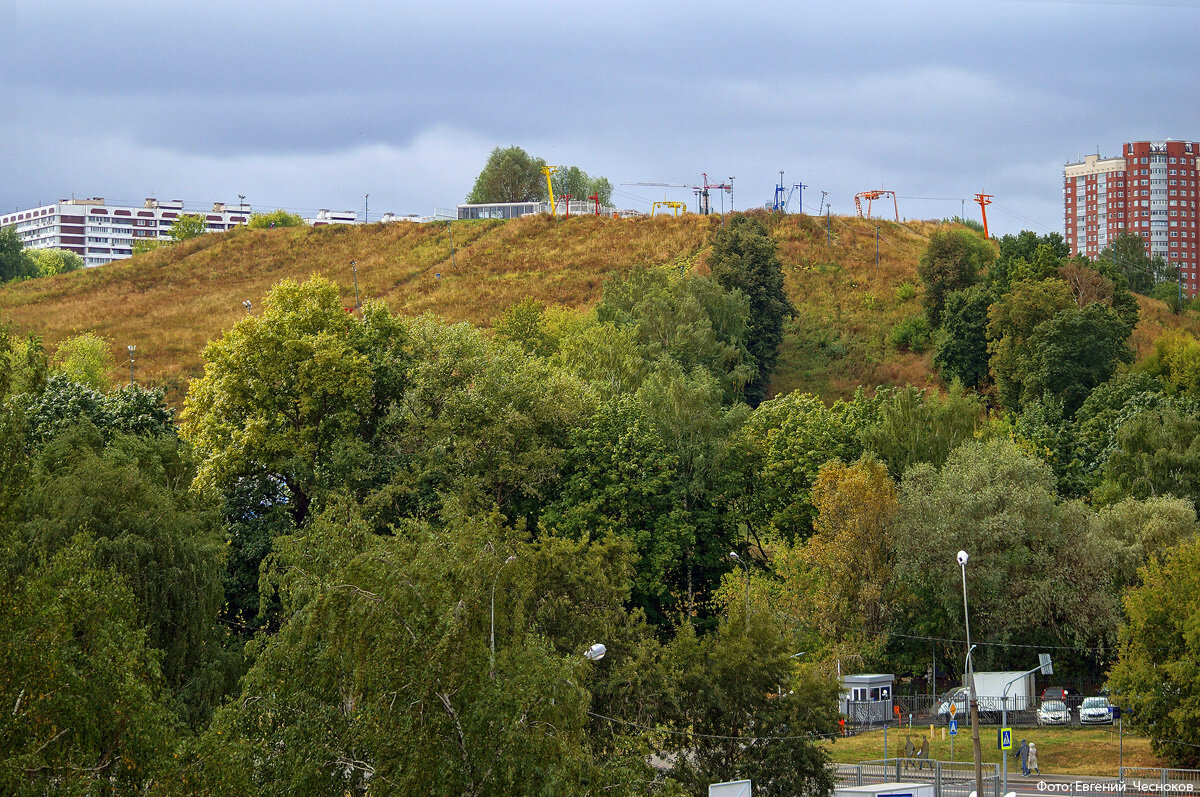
[309, 105]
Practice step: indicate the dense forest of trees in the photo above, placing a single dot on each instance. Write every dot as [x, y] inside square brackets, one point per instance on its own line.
[374, 549]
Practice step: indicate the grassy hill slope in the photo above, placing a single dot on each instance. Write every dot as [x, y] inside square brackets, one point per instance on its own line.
[170, 302]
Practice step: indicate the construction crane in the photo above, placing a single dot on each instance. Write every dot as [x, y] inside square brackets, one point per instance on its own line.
[549, 171]
[703, 189]
[984, 200]
[871, 196]
[783, 195]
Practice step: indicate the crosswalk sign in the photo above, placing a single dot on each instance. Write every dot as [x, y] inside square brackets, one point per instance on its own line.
[954, 727]
[1006, 738]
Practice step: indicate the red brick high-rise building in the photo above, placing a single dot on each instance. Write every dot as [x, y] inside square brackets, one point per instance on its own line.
[1149, 190]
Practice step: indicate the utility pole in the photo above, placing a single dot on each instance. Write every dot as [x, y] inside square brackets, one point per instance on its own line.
[366, 212]
[821, 207]
[876, 247]
[132, 348]
[354, 268]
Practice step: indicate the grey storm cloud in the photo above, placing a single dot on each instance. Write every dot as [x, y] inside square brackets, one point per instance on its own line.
[306, 104]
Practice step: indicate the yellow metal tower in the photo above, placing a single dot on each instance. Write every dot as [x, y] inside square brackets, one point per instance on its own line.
[548, 171]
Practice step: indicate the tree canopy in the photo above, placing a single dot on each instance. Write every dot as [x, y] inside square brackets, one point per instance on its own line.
[513, 175]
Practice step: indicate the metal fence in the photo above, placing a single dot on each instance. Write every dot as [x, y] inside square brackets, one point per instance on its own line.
[949, 778]
[1160, 782]
[923, 710]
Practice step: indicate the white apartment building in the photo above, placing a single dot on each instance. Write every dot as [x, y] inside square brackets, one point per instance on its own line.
[101, 233]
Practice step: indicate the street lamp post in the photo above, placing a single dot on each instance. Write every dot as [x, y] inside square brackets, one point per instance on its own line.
[962, 562]
[131, 348]
[734, 556]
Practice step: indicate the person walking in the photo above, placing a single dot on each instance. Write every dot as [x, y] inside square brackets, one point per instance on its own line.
[1033, 762]
[1023, 752]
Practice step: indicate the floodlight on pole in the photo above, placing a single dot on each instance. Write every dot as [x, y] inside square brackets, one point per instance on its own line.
[247, 304]
[595, 652]
[132, 348]
[970, 667]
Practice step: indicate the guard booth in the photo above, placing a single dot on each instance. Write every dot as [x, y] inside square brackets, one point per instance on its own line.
[867, 698]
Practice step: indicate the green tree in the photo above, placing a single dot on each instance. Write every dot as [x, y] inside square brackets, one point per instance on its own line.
[479, 421]
[729, 718]
[188, 226]
[54, 261]
[851, 552]
[15, 262]
[130, 410]
[743, 258]
[952, 261]
[1129, 255]
[132, 495]
[1157, 453]
[287, 390]
[579, 185]
[692, 322]
[1144, 531]
[911, 425]
[85, 709]
[999, 505]
[275, 218]
[778, 453]
[1073, 352]
[86, 359]
[1026, 255]
[962, 354]
[1156, 680]
[383, 673]
[1011, 325]
[510, 175]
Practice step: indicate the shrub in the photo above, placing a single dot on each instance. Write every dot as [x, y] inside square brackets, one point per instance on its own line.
[906, 292]
[913, 334]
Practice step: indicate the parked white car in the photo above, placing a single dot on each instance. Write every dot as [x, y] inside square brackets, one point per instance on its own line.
[1095, 711]
[1053, 712]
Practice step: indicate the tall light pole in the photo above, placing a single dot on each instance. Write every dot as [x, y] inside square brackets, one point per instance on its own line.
[962, 562]
[249, 306]
[132, 348]
[492, 641]
[734, 556]
[354, 268]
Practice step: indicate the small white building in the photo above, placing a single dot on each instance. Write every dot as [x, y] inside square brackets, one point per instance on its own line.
[867, 698]
[326, 217]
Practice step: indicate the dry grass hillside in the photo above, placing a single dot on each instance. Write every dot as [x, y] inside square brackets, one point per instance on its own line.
[170, 302]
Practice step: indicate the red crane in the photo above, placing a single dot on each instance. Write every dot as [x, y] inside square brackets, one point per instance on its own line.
[984, 200]
[872, 195]
[703, 189]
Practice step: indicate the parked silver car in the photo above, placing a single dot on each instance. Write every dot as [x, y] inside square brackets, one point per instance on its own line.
[1095, 711]
[1053, 712]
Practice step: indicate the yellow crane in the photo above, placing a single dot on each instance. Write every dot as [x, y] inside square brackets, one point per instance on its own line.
[679, 207]
[550, 171]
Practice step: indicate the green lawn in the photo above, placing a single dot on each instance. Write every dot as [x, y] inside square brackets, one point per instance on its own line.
[1071, 751]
